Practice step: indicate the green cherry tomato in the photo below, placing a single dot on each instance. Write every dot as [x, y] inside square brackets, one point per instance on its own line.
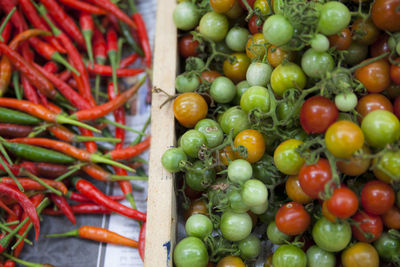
[356, 53]
[334, 17]
[250, 247]
[236, 119]
[214, 26]
[186, 16]
[277, 30]
[287, 76]
[211, 130]
[289, 256]
[254, 193]
[287, 159]
[380, 127]
[185, 83]
[239, 171]
[320, 43]
[388, 247]
[259, 209]
[276, 236]
[255, 97]
[236, 202]
[190, 252]
[235, 226]
[389, 165]
[222, 90]
[191, 142]
[317, 64]
[317, 257]
[236, 38]
[346, 101]
[172, 157]
[198, 178]
[240, 89]
[198, 225]
[330, 236]
[258, 74]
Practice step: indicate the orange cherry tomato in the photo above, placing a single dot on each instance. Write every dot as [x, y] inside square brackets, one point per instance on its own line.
[231, 261]
[295, 192]
[355, 166]
[236, 70]
[253, 141]
[375, 76]
[222, 6]
[365, 32]
[371, 102]
[255, 47]
[360, 254]
[276, 55]
[342, 40]
[327, 213]
[226, 155]
[189, 108]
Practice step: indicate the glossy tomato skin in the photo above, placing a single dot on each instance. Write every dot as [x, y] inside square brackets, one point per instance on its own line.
[253, 26]
[255, 46]
[317, 257]
[374, 76]
[289, 256]
[371, 226]
[391, 218]
[276, 55]
[187, 46]
[371, 102]
[189, 108]
[387, 169]
[210, 75]
[343, 203]
[355, 165]
[317, 114]
[236, 119]
[295, 192]
[222, 6]
[388, 247]
[231, 261]
[236, 71]
[287, 76]
[312, 178]
[253, 141]
[343, 138]
[287, 159]
[197, 206]
[377, 197]
[360, 254]
[368, 32]
[342, 40]
[385, 15]
[190, 251]
[292, 219]
[330, 236]
[395, 72]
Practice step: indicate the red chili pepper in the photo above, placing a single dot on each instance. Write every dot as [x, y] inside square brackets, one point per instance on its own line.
[64, 20]
[104, 109]
[100, 54]
[90, 191]
[114, 9]
[142, 240]
[64, 134]
[113, 20]
[6, 31]
[112, 50]
[13, 193]
[129, 60]
[85, 7]
[63, 205]
[65, 75]
[130, 151]
[29, 91]
[91, 146]
[84, 208]
[143, 37]
[29, 184]
[5, 74]
[10, 130]
[51, 67]
[107, 71]
[6, 209]
[87, 26]
[16, 19]
[81, 198]
[44, 169]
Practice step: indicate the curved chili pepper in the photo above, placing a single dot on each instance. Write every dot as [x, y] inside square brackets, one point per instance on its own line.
[16, 19]
[84, 208]
[129, 60]
[65, 75]
[29, 184]
[25, 203]
[87, 26]
[64, 20]
[6, 209]
[29, 91]
[90, 191]
[107, 71]
[85, 7]
[114, 9]
[81, 198]
[112, 48]
[63, 205]
[143, 37]
[14, 130]
[13, 116]
[142, 241]
[6, 31]
[104, 109]
[99, 234]
[130, 151]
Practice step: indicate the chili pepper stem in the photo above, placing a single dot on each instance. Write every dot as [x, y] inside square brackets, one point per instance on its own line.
[5, 228]
[113, 60]
[138, 139]
[26, 263]
[72, 170]
[37, 179]
[87, 35]
[9, 172]
[58, 58]
[127, 177]
[67, 234]
[79, 138]
[3, 25]
[66, 120]
[100, 159]
[131, 200]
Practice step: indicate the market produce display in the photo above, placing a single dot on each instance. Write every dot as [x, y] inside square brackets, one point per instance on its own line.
[287, 133]
[54, 134]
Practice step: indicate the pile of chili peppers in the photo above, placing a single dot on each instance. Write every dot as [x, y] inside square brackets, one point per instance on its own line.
[53, 127]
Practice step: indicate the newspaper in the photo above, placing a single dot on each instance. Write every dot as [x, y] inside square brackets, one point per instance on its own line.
[75, 252]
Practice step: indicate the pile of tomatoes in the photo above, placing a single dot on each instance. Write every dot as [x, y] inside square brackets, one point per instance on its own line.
[288, 123]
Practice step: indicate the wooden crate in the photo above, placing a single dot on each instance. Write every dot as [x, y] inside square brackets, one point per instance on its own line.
[161, 205]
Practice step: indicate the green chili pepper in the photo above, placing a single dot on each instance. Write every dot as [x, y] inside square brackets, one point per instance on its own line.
[12, 116]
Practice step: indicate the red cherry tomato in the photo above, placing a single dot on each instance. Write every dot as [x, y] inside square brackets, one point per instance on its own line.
[381, 46]
[386, 15]
[313, 178]
[292, 219]
[374, 76]
[253, 26]
[187, 46]
[317, 114]
[371, 226]
[391, 218]
[371, 102]
[377, 197]
[343, 203]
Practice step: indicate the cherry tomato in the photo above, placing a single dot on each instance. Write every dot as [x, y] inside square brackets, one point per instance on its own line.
[236, 119]
[222, 90]
[380, 46]
[255, 97]
[316, 256]
[276, 55]
[360, 254]
[235, 226]
[250, 247]
[289, 255]
[365, 32]
[214, 26]
[330, 236]
[317, 114]
[371, 226]
[387, 169]
[189, 108]
[374, 76]
[172, 157]
[226, 155]
[187, 46]
[253, 141]
[355, 166]
[236, 39]
[276, 236]
[356, 53]
[198, 206]
[262, 6]
[236, 71]
[392, 218]
[186, 16]
[372, 102]
[287, 76]
[395, 72]
[385, 15]
[377, 197]
[190, 251]
[222, 6]
[253, 26]
[388, 247]
[317, 64]
[327, 214]
[255, 47]
[334, 17]
[278, 30]
[295, 192]
[292, 219]
[313, 178]
[342, 40]
[343, 138]
[231, 261]
[198, 225]
[210, 75]
[343, 203]
[287, 159]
